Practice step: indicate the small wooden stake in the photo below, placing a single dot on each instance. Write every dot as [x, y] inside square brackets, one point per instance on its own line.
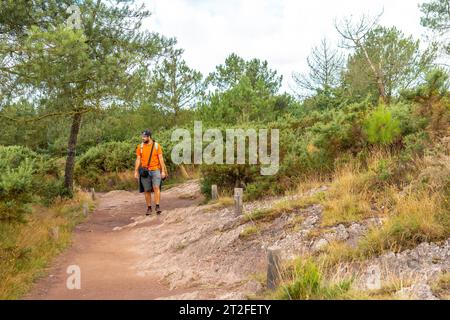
[93, 193]
[214, 192]
[238, 202]
[273, 268]
[85, 209]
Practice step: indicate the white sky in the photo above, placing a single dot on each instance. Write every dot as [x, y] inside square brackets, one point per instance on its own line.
[279, 31]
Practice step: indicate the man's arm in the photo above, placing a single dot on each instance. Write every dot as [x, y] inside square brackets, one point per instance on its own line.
[137, 164]
[164, 172]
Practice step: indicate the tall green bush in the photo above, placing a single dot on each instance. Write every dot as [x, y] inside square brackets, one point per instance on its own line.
[25, 177]
[381, 127]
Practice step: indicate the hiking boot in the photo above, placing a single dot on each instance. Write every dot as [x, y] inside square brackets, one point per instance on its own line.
[158, 209]
[149, 211]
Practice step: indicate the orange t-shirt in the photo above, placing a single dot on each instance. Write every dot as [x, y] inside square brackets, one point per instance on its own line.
[154, 162]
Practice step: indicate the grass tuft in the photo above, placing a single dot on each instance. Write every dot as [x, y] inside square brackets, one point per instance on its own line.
[248, 232]
[305, 280]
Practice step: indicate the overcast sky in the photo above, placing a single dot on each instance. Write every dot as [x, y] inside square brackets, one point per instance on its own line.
[279, 31]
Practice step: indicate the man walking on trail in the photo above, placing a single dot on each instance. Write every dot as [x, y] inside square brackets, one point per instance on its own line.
[150, 170]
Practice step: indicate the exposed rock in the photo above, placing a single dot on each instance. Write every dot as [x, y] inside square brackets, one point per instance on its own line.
[425, 262]
[319, 245]
[235, 222]
[316, 190]
[253, 286]
[312, 214]
[341, 232]
[233, 296]
[338, 233]
[418, 291]
[417, 267]
[356, 229]
[183, 296]
[372, 278]
[211, 252]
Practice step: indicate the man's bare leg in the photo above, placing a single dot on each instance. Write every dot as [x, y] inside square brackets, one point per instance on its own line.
[157, 198]
[148, 200]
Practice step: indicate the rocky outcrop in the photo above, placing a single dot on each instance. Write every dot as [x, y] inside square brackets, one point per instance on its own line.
[211, 252]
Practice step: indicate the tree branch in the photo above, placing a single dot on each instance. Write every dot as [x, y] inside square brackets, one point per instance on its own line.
[53, 114]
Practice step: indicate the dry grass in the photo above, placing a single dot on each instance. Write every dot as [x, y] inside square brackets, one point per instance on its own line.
[337, 252]
[27, 249]
[348, 199]
[345, 209]
[312, 182]
[390, 286]
[296, 223]
[415, 218]
[283, 206]
[248, 232]
[411, 215]
[441, 287]
[340, 261]
[218, 204]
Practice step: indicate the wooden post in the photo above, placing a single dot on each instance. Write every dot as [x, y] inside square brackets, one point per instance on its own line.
[54, 233]
[214, 192]
[85, 209]
[93, 193]
[238, 202]
[273, 268]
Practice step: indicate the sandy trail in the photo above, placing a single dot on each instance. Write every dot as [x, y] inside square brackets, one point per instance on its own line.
[106, 254]
[191, 251]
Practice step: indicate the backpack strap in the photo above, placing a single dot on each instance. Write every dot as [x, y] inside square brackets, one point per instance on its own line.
[150, 157]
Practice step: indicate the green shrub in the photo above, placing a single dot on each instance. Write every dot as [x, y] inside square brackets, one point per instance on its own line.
[308, 146]
[102, 159]
[380, 127]
[107, 157]
[26, 177]
[311, 143]
[409, 120]
[258, 189]
[414, 145]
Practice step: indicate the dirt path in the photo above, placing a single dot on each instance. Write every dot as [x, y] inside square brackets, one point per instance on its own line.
[106, 255]
[191, 251]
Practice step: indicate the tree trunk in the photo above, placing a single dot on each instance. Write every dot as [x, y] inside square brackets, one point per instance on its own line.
[377, 73]
[381, 90]
[70, 161]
